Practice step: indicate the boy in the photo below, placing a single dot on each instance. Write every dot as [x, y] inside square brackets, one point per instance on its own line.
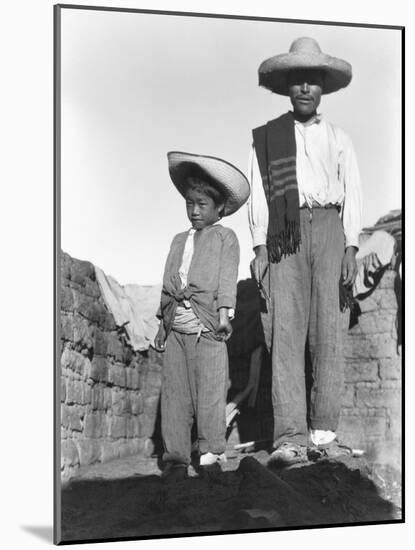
[197, 302]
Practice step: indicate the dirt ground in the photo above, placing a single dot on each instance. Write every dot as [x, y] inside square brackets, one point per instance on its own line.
[127, 498]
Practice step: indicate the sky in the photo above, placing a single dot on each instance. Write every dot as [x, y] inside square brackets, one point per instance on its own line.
[135, 86]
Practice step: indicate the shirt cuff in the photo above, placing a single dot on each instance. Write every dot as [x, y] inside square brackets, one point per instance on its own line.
[352, 240]
[259, 236]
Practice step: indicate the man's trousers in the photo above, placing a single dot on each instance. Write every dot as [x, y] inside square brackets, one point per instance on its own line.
[304, 303]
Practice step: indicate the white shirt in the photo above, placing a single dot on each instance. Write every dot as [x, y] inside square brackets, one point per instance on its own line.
[327, 172]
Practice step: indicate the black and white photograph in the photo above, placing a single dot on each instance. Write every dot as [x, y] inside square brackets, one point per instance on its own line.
[229, 285]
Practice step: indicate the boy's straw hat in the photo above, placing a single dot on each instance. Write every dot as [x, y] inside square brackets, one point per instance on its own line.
[304, 53]
[230, 181]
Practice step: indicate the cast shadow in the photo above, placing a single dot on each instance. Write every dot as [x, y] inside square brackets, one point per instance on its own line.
[44, 533]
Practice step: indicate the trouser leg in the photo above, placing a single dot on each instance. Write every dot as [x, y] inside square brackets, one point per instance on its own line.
[290, 286]
[177, 407]
[326, 320]
[211, 375]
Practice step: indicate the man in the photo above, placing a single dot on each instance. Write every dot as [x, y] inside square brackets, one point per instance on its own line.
[305, 219]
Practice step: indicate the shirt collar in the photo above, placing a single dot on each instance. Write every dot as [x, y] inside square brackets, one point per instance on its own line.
[315, 120]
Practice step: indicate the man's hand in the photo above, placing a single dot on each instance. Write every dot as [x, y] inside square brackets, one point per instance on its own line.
[260, 263]
[224, 329]
[349, 266]
[160, 339]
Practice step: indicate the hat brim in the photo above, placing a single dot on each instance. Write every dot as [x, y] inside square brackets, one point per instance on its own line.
[228, 179]
[273, 72]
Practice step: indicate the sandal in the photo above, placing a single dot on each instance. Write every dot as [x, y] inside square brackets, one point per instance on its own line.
[287, 454]
[331, 450]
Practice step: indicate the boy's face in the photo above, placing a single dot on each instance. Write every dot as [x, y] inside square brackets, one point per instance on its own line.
[201, 209]
[305, 88]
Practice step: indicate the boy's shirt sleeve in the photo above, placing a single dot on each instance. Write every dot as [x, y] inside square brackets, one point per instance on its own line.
[228, 273]
[159, 313]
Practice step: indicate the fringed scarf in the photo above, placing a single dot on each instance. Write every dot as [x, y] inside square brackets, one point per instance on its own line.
[276, 153]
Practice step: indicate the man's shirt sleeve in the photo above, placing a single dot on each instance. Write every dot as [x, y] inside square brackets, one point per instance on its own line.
[352, 209]
[257, 203]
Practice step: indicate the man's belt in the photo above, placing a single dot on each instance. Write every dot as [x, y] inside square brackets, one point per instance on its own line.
[315, 205]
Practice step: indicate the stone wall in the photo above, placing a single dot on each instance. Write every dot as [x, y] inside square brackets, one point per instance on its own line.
[371, 414]
[109, 393]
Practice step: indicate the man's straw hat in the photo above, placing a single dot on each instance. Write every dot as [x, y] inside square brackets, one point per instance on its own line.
[230, 181]
[304, 53]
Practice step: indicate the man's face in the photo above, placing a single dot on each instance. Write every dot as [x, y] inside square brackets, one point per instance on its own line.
[305, 88]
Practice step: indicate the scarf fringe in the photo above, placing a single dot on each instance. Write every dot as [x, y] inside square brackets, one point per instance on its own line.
[287, 242]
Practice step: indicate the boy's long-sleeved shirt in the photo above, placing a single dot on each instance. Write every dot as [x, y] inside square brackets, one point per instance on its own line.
[211, 276]
[327, 173]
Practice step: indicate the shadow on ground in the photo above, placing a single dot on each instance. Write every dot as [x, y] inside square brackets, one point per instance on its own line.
[249, 497]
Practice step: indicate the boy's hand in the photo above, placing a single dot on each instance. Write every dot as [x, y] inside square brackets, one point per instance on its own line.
[349, 266]
[160, 339]
[224, 330]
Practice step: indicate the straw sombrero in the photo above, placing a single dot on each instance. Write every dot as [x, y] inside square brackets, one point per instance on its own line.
[304, 53]
[230, 181]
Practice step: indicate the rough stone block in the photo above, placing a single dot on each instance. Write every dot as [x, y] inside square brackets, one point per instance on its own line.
[375, 427]
[356, 371]
[67, 299]
[348, 396]
[136, 425]
[66, 262]
[100, 342]
[73, 360]
[117, 427]
[118, 401]
[116, 375]
[388, 279]
[137, 403]
[368, 304]
[74, 392]
[133, 378]
[71, 417]
[107, 398]
[115, 347]
[88, 307]
[99, 369]
[81, 270]
[130, 427]
[391, 384]
[94, 425]
[63, 389]
[147, 423]
[83, 333]
[151, 405]
[390, 368]
[97, 397]
[378, 322]
[148, 447]
[69, 453]
[66, 327]
[89, 451]
[152, 382]
[109, 451]
[386, 299]
[376, 397]
[370, 347]
[351, 431]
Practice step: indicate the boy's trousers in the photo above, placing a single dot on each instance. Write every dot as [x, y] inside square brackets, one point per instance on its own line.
[304, 295]
[195, 383]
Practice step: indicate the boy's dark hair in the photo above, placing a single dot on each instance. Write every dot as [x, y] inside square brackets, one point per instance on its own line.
[202, 184]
